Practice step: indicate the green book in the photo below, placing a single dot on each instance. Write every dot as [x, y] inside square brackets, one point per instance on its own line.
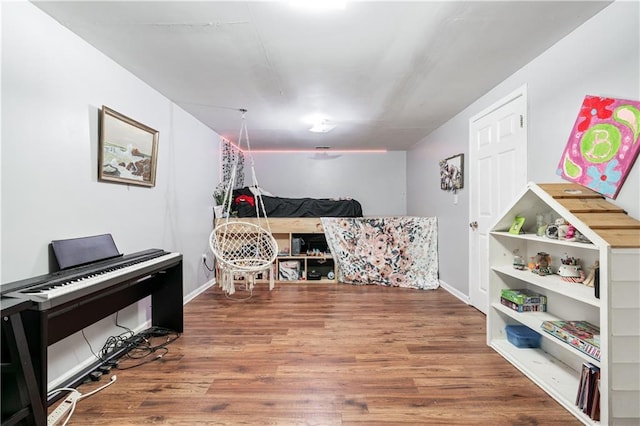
[523, 297]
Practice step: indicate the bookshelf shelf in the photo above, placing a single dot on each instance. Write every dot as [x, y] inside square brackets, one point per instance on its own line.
[557, 379]
[534, 321]
[534, 237]
[552, 283]
[556, 366]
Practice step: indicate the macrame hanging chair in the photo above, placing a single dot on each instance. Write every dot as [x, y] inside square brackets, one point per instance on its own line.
[243, 249]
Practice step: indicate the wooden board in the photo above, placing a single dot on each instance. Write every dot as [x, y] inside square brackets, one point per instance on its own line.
[288, 225]
[621, 238]
[589, 205]
[608, 221]
[568, 190]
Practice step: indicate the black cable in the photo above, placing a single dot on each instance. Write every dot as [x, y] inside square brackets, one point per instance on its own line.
[157, 357]
[122, 326]
[138, 346]
[90, 348]
[142, 347]
[204, 262]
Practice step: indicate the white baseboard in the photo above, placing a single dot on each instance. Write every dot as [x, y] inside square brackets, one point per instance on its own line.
[198, 291]
[457, 293]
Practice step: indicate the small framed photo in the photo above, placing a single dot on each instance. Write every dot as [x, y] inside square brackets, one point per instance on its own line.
[452, 173]
[128, 150]
[516, 226]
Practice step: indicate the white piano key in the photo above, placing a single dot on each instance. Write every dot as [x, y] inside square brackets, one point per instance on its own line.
[40, 295]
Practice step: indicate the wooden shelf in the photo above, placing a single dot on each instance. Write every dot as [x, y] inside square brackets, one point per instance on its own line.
[284, 230]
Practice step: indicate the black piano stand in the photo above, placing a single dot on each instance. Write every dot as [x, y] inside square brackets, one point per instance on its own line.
[21, 401]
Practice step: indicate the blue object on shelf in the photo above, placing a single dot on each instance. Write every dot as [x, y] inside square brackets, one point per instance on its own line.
[522, 336]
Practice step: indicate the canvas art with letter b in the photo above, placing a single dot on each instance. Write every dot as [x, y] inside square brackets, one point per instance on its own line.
[603, 145]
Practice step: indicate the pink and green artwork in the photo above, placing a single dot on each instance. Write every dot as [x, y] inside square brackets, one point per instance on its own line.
[603, 145]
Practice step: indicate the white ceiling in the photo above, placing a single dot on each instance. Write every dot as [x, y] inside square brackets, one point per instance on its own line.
[386, 73]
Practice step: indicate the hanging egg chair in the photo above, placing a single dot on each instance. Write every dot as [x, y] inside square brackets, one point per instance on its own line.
[243, 249]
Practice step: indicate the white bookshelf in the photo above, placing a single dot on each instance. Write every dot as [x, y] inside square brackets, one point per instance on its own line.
[615, 244]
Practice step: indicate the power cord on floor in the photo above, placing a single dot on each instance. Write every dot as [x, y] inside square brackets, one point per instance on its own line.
[137, 347]
[68, 406]
[142, 346]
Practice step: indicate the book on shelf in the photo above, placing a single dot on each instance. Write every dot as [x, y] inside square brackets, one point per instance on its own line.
[582, 335]
[523, 296]
[524, 307]
[588, 396]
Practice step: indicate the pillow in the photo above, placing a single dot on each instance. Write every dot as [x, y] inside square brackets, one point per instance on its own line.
[259, 191]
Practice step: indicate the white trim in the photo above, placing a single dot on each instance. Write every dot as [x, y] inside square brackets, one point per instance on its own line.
[454, 291]
[198, 291]
[520, 91]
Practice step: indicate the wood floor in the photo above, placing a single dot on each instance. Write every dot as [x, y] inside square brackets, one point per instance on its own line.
[323, 354]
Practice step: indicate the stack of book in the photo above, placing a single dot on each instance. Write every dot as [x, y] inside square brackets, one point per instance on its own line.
[588, 398]
[523, 300]
[582, 335]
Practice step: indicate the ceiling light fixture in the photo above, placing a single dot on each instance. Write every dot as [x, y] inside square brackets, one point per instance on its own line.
[322, 127]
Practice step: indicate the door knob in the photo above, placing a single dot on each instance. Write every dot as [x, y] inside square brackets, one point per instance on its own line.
[473, 225]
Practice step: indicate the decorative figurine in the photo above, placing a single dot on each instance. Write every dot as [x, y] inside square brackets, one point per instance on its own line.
[570, 270]
[543, 264]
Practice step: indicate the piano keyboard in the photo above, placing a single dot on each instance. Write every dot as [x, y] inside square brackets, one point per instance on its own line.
[108, 276]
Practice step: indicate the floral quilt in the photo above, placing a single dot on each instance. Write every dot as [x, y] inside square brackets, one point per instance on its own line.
[389, 251]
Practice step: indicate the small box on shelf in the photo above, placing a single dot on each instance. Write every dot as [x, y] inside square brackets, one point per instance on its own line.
[522, 336]
[523, 296]
[524, 307]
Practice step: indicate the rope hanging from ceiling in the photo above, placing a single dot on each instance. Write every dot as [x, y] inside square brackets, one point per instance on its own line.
[243, 250]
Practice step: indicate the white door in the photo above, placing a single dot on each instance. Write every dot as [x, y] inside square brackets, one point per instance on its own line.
[497, 175]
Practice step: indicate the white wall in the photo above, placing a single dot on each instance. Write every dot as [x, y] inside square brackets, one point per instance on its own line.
[602, 57]
[53, 85]
[377, 180]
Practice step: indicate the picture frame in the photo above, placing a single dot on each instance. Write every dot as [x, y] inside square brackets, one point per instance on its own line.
[516, 226]
[452, 173]
[127, 150]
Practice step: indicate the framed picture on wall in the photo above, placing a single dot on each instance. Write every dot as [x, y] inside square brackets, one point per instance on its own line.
[603, 145]
[452, 173]
[127, 150]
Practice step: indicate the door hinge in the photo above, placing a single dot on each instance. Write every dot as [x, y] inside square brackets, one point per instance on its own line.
[521, 121]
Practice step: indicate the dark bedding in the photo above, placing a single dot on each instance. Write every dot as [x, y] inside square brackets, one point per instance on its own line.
[244, 204]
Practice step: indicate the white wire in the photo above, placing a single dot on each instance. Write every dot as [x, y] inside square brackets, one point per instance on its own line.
[82, 396]
[73, 408]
